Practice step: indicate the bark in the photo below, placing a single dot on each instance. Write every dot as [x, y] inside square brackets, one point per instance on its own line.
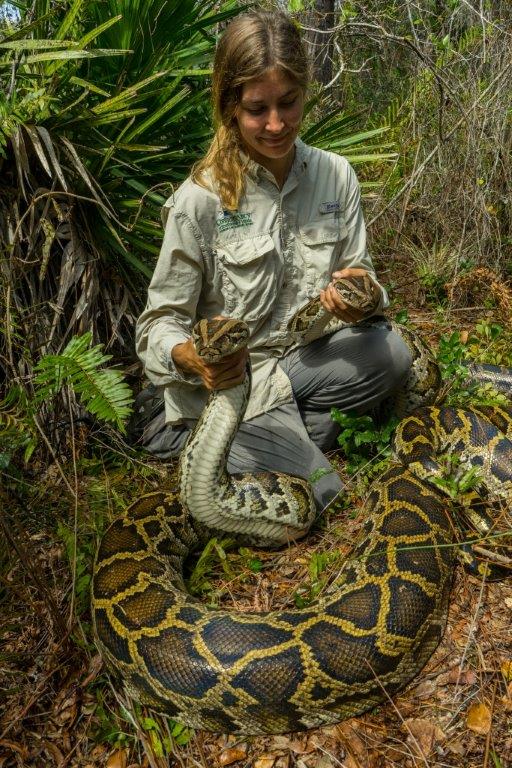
[321, 45]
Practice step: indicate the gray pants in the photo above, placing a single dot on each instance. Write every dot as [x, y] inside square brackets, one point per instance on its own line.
[354, 369]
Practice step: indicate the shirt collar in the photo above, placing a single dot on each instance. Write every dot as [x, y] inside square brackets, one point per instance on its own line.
[299, 165]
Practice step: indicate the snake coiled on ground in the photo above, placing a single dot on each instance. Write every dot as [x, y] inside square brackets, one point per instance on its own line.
[289, 670]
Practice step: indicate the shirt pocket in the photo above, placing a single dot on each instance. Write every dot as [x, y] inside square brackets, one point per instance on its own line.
[250, 270]
[321, 245]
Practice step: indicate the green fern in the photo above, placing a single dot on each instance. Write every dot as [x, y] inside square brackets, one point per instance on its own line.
[101, 390]
[16, 426]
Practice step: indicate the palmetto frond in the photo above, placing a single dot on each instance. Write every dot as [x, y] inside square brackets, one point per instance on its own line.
[103, 110]
[341, 132]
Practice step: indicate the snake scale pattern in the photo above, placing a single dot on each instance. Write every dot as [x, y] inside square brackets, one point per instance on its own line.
[291, 670]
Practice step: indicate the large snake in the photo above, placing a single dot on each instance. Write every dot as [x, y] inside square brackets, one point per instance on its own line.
[289, 670]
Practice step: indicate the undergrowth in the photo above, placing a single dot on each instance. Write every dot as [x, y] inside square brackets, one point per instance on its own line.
[489, 343]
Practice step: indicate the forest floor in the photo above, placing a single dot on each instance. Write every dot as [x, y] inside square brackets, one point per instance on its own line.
[58, 708]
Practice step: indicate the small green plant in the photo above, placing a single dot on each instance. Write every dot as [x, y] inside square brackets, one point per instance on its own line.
[108, 725]
[319, 563]
[451, 353]
[456, 479]
[102, 391]
[119, 726]
[213, 554]
[402, 317]
[162, 743]
[362, 440]
[80, 553]
[434, 266]
[488, 343]
[432, 283]
[17, 429]
[250, 560]
[319, 473]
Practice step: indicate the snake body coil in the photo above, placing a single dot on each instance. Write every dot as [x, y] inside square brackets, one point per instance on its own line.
[293, 669]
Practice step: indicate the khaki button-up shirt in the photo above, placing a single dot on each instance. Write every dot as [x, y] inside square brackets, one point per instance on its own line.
[261, 264]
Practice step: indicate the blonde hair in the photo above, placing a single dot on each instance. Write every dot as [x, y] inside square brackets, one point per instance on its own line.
[252, 44]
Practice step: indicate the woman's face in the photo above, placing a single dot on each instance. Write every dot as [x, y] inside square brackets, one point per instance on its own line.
[269, 116]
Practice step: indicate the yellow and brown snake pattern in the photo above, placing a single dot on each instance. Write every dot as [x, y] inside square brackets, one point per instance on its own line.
[296, 669]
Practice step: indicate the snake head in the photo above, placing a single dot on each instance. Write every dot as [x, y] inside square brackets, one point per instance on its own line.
[219, 337]
[358, 292]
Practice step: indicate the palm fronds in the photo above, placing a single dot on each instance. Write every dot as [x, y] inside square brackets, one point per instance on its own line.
[341, 132]
[103, 110]
[97, 100]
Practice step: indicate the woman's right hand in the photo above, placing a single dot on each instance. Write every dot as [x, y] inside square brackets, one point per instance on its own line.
[223, 375]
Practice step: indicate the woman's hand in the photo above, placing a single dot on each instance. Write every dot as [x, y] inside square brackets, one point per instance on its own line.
[333, 303]
[227, 373]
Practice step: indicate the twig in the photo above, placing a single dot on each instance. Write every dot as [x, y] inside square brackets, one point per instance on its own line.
[19, 716]
[75, 518]
[85, 735]
[397, 711]
[406, 202]
[485, 19]
[15, 543]
[488, 739]
[435, 150]
[126, 704]
[54, 456]
[405, 41]
[61, 193]
[471, 632]
[493, 556]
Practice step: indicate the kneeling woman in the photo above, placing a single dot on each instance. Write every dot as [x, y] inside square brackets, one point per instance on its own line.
[263, 224]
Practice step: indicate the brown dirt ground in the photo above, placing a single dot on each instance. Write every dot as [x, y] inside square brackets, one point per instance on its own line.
[56, 705]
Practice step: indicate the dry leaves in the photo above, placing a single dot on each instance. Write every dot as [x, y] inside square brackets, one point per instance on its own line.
[478, 718]
[506, 670]
[232, 754]
[265, 761]
[422, 735]
[118, 759]
[506, 700]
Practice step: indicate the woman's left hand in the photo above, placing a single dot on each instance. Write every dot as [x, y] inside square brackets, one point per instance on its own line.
[332, 301]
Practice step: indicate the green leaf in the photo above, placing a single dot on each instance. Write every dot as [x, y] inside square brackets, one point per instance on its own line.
[69, 18]
[402, 317]
[101, 390]
[180, 733]
[127, 94]
[319, 473]
[94, 33]
[29, 44]
[73, 54]
[90, 86]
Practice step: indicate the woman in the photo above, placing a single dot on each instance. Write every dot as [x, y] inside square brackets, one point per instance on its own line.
[263, 224]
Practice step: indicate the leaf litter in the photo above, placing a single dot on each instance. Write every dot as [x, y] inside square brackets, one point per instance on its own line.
[57, 707]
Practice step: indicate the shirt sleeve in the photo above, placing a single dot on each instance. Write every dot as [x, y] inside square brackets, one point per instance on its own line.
[355, 252]
[173, 294]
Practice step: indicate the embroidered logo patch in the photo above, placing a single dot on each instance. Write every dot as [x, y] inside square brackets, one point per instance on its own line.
[331, 206]
[228, 220]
